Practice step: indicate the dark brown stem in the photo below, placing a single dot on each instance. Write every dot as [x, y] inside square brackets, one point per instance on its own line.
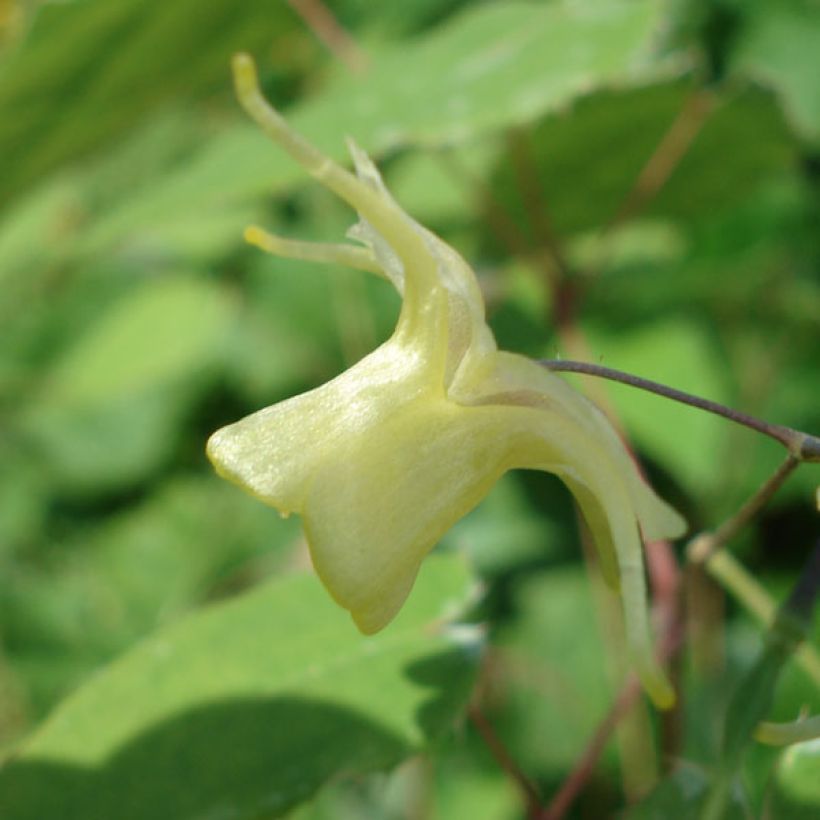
[505, 761]
[801, 445]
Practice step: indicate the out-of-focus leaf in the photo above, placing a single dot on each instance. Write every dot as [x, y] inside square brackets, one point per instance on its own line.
[23, 499]
[678, 353]
[647, 243]
[490, 67]
[167, 328]
[587, 159]
[752, 699]
[495, 65]
[108, 408]
[421, 182]
[107, 446]
[105, 588]
[555, 659]
[248, 707]
[392, 19]
[681, 795]
[797, 773]
[464, 789]
[136, 213]
[116, 62]
[37, 224]
[780, 47]
[505, 531]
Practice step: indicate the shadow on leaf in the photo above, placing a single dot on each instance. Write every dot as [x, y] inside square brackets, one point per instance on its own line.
[239, 759]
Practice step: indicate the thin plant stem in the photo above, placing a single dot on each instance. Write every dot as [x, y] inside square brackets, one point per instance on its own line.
[502, 225]
[742, 585]
[705, 550]
[706, 545]
[526, 172]
[672, 148]
[327, 29]
[505, 760]
[802, 446]
[784, 734]
[585, 765]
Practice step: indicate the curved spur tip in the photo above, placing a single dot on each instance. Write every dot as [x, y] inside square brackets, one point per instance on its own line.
[244, 73]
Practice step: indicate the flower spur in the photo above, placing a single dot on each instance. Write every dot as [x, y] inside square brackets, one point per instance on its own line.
[381, 461]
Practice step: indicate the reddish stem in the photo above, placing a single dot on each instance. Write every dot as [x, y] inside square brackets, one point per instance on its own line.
[505, 761]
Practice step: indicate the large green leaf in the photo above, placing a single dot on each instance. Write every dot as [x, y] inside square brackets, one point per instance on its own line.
[246, 708]
[493, 66]
[136, 570]
[162, 330]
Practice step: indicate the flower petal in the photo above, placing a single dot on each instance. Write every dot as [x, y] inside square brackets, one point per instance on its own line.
[466, 325]
[423, 315]
[550, 441]
[385, 458]
[275, 453]
[387, 496]
[508, 378]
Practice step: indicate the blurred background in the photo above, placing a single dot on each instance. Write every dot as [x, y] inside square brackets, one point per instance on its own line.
[640, 188]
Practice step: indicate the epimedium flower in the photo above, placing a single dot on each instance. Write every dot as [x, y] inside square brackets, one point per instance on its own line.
[381, 461]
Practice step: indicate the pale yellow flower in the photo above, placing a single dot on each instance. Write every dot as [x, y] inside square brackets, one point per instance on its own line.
[381, 461]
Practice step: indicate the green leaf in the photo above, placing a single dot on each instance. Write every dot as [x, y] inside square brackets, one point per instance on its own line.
[165, 329]
[751, 703]
[557, 657]
[33, 231]
[780, 47]
[504, 532]
[108, 410]
[797, 772]
[136, 570]
[495, 65]
[588, 159]
[116, 62]
[679, 353]
[143, 206]
[682, 795]
[244, 709]
[488, 68]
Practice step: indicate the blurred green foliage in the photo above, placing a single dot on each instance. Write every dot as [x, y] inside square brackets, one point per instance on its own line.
[135, 322]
